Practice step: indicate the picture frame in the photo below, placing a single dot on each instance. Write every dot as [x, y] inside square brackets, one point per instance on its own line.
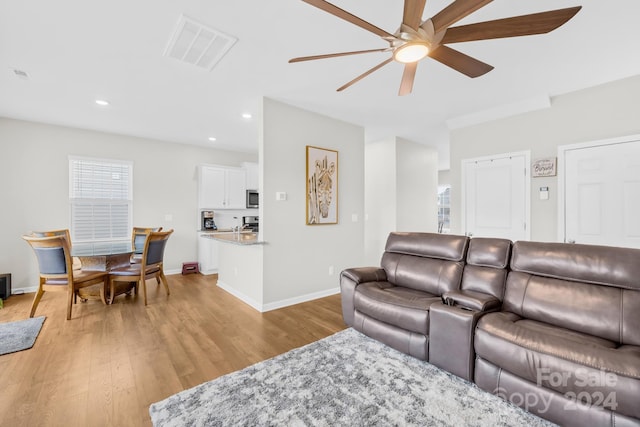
[321, 186]
[544, 167]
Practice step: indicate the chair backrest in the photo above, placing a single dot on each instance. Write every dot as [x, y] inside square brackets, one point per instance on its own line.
[139, 236]
[53, 255]
[585, 288]
[65, 233]
[154, 247]
[427, 262]
[487, 266]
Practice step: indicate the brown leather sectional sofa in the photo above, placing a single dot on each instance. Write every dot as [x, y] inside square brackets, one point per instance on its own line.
[552, 327]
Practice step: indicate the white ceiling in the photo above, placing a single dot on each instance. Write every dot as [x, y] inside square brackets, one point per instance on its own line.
[75, 51]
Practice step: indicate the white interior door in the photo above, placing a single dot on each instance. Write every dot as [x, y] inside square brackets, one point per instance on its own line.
[496, 196]
[602, 194]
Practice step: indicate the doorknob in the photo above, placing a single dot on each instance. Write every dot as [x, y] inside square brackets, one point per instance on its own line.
[469, 234]
[571, 241]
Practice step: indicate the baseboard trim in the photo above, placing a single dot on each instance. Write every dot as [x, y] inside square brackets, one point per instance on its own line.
[20, 291]
[300, 299]
[242, 297]
[262, 308]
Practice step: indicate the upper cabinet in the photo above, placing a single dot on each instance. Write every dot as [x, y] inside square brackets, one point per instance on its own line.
[222, 187]
[252, 175]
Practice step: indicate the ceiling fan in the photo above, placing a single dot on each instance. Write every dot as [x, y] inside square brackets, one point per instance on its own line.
[417, 39]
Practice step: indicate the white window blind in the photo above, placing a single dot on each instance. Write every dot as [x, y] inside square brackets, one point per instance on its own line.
[101, 196]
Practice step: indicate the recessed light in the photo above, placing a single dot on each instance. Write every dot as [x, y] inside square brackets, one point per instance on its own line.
[246, 116]
[212, 139]
[102, 102]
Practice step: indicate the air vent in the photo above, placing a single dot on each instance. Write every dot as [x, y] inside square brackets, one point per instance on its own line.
[197, 44]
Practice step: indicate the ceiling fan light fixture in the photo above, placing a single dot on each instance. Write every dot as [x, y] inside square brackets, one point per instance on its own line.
[411, 52]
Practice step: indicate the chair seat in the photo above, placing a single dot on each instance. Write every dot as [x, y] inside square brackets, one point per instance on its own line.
[56, 282]
[134, 270]
[560, 359]
[395, 305]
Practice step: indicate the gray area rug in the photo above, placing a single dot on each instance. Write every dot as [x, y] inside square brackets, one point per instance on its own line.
[19, 335]
[346, 379]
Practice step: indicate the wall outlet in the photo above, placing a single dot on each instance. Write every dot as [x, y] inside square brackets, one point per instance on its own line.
[281, 196]
[331, 270]
[168, 217]
[354, 217]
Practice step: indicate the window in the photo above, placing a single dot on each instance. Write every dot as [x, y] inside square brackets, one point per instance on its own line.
[444, 208]
[101, 197]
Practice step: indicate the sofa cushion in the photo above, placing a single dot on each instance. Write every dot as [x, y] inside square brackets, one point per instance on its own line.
[430, 275]
[399, 306]
[428, 262]
[569, 362]
[605, 311]
[431, 245]
[601, 265]
[489, 252]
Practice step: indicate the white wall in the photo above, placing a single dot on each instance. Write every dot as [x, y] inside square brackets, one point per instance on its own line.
[34, 187]
[444, 177]
[400, 192]
[297, 256]
[380, 197]
[417, 186]
[601, 112]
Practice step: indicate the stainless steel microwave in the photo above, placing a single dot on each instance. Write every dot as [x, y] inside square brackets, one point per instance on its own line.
[252, 199]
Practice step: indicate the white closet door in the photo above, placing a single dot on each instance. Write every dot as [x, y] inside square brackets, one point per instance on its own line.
[496, 196]
[602, 194]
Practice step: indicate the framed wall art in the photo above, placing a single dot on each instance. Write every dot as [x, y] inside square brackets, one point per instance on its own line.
[322, 186]
[544, 167]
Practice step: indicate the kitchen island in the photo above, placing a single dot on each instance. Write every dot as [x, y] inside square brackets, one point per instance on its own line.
[239, 264]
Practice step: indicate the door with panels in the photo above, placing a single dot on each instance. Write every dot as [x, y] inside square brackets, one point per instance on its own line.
[496, 196]
[600, 185]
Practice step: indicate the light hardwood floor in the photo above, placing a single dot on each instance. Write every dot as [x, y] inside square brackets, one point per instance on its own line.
[106, 365]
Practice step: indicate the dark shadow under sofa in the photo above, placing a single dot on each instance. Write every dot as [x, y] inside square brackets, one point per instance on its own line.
[552, 327]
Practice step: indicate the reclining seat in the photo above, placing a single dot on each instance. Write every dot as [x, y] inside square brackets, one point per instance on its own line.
[566, 343]
[391, 304]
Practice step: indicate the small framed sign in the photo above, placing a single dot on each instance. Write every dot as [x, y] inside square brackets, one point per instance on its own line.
[544, 167]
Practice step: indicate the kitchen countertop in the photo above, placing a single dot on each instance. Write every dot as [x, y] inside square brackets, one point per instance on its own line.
[242, 238]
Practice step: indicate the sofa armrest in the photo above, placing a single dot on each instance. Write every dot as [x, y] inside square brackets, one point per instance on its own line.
[451, 334]
[472, 300]
[349, 281]
[365, 274]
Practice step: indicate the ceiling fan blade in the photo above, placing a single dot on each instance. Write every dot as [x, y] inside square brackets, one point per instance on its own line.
[365, 74]
[455, 12]
[343, 14]
[413, 10]
[460, 62]
[409, 74]
[525, 25]
[334, 55]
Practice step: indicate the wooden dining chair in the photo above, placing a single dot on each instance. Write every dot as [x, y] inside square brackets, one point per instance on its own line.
[67, 235]
[138, 237]
[151, 265]
[56, 270]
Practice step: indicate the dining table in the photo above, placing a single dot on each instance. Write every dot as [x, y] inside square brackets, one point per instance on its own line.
[103, 258]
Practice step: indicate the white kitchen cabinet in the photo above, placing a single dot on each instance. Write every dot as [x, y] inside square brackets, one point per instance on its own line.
[236, 189]
[222, 187]
[207, 255]
[252, 175]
